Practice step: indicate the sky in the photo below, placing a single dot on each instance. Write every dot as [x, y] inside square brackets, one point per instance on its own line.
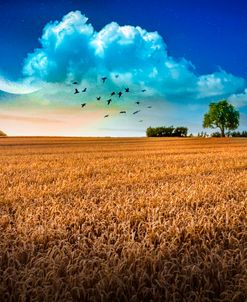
[184, 54]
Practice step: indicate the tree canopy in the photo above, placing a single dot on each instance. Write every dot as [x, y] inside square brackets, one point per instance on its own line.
[221, 115]
[166, 131]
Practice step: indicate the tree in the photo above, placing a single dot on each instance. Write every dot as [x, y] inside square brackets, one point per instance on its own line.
[166, 131]
[180, 131]
[221, 115]
[150, 132]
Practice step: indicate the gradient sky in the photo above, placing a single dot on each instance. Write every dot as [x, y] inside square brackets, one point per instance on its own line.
[184, 53]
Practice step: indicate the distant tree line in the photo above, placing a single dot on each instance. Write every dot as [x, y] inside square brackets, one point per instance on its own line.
[167, 131]
[203, 134]
[231, 134]
[238, 134]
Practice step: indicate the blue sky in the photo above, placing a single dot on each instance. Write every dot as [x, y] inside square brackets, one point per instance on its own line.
[183, 54]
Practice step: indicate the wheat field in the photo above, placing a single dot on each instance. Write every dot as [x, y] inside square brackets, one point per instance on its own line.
[127, 219]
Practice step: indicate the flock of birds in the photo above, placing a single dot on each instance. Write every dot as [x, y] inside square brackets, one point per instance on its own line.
[113, 93]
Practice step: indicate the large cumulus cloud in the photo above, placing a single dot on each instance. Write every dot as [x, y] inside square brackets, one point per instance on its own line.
[72, 50]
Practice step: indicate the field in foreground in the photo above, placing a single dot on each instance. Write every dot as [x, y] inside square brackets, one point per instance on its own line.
[123, 219]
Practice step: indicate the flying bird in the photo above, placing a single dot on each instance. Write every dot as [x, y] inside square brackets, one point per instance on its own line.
[83, 105]
[149, 106]
[84, 90]
[122, 112]
[143, 90]
[106, 115]
[136, 111]
[113, 93]
[76, 91]
[104, 79]
[75, 83]
[120, 94]
[108, 102]
[127, 90]
[98, 98]
[138, 103]
[116, 76]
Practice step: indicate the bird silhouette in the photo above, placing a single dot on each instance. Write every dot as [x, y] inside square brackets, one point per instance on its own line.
[104, 79]
[140, 121]
[143, 90]
[120, 94]
[98, 98]
[127, 90]
[84, 90]
[116, 76]
[108, 102]
[106, 115]
[76, 91]
[136, 111]
[138, 103]
[149, 106]
[75, 83]
[83, 105]
[113, 93]
[122, 112]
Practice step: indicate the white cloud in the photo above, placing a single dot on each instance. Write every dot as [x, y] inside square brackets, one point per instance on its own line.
[73, 50]
[218, 83]
[239, 100]
[21, 87]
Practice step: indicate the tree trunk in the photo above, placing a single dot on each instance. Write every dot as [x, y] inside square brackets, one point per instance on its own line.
[222, 132]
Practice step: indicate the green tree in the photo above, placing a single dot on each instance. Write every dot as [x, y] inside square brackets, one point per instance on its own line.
[221, 115]
[180, 131]
[150, 132]
[166, 131]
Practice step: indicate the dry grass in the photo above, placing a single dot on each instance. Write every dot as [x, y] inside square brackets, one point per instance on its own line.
[123, 219]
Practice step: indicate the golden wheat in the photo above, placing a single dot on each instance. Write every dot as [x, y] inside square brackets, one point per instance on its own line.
[123, 219]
